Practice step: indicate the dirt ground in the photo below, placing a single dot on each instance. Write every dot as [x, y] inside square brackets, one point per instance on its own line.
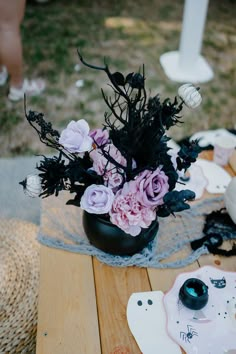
[129, 34]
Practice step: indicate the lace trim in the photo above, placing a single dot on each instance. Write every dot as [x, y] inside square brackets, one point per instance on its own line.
[61, 227]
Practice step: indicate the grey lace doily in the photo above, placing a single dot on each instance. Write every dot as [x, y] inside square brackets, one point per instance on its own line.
[61, 227]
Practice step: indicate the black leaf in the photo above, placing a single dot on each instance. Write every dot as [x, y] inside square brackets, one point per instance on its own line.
[118, 78]
[129, 78]
[175, 201]
[137, 81]
[187, 154]
[79, 190]
[75, 202]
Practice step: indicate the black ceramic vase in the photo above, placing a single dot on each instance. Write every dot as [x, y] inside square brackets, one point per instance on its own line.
[110, 239]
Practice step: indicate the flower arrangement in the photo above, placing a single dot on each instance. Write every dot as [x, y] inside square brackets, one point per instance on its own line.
[123, 171]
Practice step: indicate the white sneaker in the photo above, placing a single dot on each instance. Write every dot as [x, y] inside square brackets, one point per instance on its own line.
[29, 88]
[3, 76]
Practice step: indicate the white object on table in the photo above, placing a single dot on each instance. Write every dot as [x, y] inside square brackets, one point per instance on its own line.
[212, 329]
[147, 322]
[196, 183]
[208, 137]
[230, 199]
[223, 149]
[218, 178]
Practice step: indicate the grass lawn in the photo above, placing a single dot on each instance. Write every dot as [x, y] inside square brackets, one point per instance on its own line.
[129, 34]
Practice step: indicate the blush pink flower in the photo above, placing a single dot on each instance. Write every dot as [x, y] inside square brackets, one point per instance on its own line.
[97, 199]
[128, 213]
[75, 138]
[99, 136]
[151, 187]
[112, 176]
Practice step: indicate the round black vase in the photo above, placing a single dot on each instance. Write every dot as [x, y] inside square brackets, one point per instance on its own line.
[111, 239]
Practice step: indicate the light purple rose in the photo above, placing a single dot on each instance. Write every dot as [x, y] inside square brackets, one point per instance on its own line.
[97, 199]
[128, 213]
[152, 186]
[75, 138]
[99, 136]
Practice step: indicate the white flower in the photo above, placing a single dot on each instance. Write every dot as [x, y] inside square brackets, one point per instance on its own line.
[32, 185]
[75, 138]
[190, 95]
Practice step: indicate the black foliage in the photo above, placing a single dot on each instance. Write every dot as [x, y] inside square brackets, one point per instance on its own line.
[187, 154]
[52, 173]
[135, 80]
[218, 227]
[169, 113]
[118, 78]
[141, 136]
[75, 176]
[137, 126]
[79, 192]
[220, 222]
[175, 201]
[47, 134]
[79, 172]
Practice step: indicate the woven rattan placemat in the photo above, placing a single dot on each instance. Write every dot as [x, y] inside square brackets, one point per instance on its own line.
[19, 281]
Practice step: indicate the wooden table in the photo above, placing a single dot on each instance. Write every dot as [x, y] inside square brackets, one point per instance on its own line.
[82, 302]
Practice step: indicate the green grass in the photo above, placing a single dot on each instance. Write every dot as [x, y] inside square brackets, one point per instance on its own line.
[9, 118]
[129, 34]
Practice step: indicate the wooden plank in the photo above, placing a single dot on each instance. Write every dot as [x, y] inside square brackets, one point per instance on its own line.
[163, 279]
[232, 161]
[67, 321]
[224, 263]
[113, 288]
[208, 155]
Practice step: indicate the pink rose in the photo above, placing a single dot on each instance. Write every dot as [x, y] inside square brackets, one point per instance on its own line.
[112, 177]
[99, 136]
[128, 213]
[152, 186]
[97, 199]
[75, 138]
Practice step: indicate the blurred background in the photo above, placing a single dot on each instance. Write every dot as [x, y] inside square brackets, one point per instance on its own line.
[129, 34]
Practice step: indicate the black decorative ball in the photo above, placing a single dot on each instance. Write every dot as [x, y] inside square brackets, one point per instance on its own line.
[194, 294]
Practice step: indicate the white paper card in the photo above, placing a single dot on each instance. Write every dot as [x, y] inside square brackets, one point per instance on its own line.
[197, 182]
[218, 178]
[147, 321]
[208, 137]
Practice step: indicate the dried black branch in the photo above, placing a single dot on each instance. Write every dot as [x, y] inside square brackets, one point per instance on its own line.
[111, 105]
[47, 135]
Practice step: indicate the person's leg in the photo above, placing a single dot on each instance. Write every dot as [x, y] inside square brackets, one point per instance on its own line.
[11, 15]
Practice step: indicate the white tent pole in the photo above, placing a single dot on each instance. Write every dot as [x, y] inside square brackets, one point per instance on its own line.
[187, 64]
[195, 12]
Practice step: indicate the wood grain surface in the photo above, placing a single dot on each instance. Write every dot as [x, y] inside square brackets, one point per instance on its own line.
[67, 322]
